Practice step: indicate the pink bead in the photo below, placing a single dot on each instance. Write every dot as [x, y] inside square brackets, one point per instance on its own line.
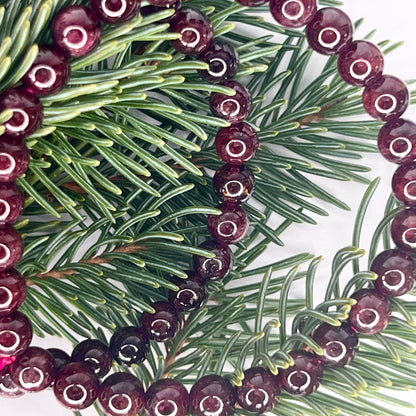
[386, 98]
[76, 30]
[13, 291]
[293, 13]
[12, 203]
[11, 247]
[404, 184]
[360, 63]
[403, 229]
[116, 11]
[14, 158]
[329, 31]
[4, 361]
[252, 3]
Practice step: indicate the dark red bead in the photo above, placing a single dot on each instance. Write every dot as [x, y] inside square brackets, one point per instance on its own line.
[15, 334]
[129, 345]
[403, 229]
[339, 344]
[13, 291]
[151, 9]
[404, 184]
[223, 62]
[11, 247]
[121, 394]
[27, 112]
[12, 203]
[396, 272]
[14, 158]
[304, 376]
[234, 183]
[372, 312]
[94, 353]
[329, 31]
[212, 395]
[116, 11]
[76, 30]
[397, 141]
[191, 295]
[293, 13]
[61, 357]
[167, 397]
[386, 98]
[231, 226]
[237, 144]
[360, 63]
[76, 386]
[163, 324]
[259, 392]
[34, 370]
[163, 3]
[234, 108]
[195, 28]
[49, 72]
[8, 389]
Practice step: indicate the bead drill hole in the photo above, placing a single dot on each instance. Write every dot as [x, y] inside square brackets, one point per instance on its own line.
[75, 37]
[4, 254]
[43, 76]
[400, 146]
[120, 404]
[293, 9]
[114, 9]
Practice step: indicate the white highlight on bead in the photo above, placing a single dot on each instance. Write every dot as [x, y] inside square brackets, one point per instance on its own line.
[174, 411]
[405, 152]
[232, 101]
[75, 45]
[293, 16]
[208, 261]
[6, 209]
[120, 411]
[231, 184]
[372, 324]
[127, 346]
[9, 299]
[23, 125]
[114, 13]
[406, 191]
[12, 163]
[234, 226]
[329, 44]
[16, 343]
[304, 386]
[397, 286]
[386, 110]
[413, 232]
[45, 84]
[217, 412]
[8, 390]
[223, 70]
[77, 401]
[195, 32]
[231, 143]
[28, 385]
[7, 253]
[365, 74]
[335, 358]
[194, 296]
[258, 405]
[92, 362]
[160, 321]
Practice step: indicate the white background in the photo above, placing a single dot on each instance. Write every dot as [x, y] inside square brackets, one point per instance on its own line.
[395, 20]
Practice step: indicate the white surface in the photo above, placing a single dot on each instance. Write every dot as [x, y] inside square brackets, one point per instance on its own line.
[395, 20]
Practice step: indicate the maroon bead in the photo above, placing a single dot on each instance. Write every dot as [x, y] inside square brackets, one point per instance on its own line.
[27, 112]
[329, 31]
[212, 395]
[76, 30]
[129, 345]
[195, 28]
[76, 386]
[259, 392]
[151, 9]
[234, 108]
[49, 72]
[8, 389]
[116, 11]
[237, 144]
[234, 183]
[404, 184]
[14, 158]
[372, 312]
[15, 334]
[223, 62]
[293, 13]
[121, 394]
[12, 203]
[61, 357]
[339, 344]
[13, 291]
[167, 397]
[163, 3]
[304, 376]
[231, 226]
[94, 353]
[191, 295]
[360, 63]
[396, 272]
[34, 370]
[11, 247]
[386, 98]
[163, 324]
[403, 229]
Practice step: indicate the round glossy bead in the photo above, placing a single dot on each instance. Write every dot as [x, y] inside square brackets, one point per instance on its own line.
[116, 11]
[151, 9]
[49, 72]
[234, 183]
[13, 291]
[76, 386]
[231, 226]
[27, 112]
[329, 31]
[191, 295]
[396, 272]
[252, 3]
[259, 392]
[372, 312]
[397, 141]
[223, 62]
[8, 389]
[236, 144]
[129, 345]
[234, 108]
[14, 158]
[163, 324]
[386, 98]
[293, 13]
[212, 395]
[214, 268]
[34, 370]
[76, 30]
[11, 247]
[304, 376]
[339, 344]
[360, 63]
[15, 334]
[61, 357]
[167, 397]
[121, 394]
[404, 184]
[12, 203]
[94, 353]
[403, 229]
[195, 28]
